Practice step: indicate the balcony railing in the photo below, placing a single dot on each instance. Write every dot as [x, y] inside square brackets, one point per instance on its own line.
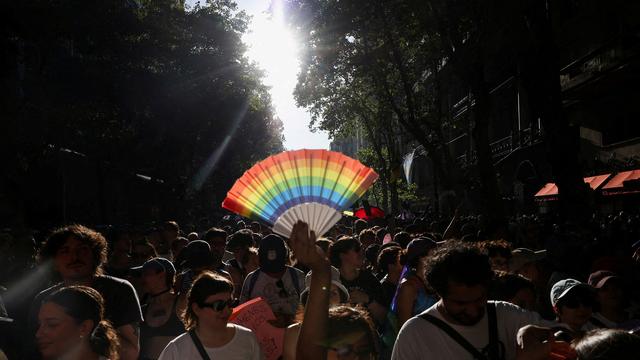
[502, 148]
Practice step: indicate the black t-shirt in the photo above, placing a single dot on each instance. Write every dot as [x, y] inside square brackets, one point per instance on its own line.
[118, 273]
[121, 302]
[366, 283]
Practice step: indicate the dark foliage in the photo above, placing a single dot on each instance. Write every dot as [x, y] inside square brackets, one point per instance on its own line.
[126, 111]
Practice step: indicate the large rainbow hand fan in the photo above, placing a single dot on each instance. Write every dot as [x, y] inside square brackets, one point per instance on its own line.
[314, 186]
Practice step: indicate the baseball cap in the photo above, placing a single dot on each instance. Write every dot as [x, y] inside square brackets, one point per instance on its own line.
[599, 278]
[157, 264]
[272, 254]
[563, 287]
[522, 256]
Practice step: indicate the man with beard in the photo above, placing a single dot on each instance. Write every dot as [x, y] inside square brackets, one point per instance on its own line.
[77, 255]
[463, 324]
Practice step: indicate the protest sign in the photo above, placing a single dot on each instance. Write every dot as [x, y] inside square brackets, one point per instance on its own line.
[255, 315]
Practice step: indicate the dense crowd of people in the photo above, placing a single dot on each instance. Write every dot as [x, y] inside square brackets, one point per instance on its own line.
[423, 288]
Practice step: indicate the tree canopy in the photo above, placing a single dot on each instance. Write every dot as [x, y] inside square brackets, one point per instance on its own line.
[398, 68]
[371, 65]
[132, 87]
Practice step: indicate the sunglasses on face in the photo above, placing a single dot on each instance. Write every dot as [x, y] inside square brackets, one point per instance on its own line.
[220, 305]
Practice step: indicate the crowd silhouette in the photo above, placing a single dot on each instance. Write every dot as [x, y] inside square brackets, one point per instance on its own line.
[461, 288]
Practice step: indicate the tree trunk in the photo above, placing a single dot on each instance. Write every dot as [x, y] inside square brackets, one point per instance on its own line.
[384, 180]
[393, 190]
[382, 164]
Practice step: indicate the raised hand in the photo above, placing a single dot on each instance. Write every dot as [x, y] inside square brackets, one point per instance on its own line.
[316, 314]
[303, 244]
[538, 343]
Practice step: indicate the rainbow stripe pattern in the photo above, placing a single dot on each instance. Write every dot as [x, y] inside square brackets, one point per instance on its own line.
[309, 185]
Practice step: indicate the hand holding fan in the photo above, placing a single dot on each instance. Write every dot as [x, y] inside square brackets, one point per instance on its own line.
[314, 186]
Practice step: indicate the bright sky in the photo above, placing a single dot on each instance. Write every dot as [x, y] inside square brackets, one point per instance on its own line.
[273, 47]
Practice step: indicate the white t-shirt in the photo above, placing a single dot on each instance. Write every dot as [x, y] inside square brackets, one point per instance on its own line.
[420, 339]
[243, 346]
[265, 286]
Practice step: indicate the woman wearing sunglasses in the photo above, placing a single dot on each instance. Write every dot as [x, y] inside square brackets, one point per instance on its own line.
[209, 334]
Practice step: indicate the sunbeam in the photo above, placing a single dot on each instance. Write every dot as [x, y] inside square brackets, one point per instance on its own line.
[210, 164]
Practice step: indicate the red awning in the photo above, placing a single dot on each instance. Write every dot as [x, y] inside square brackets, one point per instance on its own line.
[626, 182]
[550, 189]
[596, 181]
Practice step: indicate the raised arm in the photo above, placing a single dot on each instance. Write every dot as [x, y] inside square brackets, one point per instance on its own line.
[314, 328]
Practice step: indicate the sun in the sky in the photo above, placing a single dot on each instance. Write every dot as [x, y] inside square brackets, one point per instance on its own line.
[274, 48]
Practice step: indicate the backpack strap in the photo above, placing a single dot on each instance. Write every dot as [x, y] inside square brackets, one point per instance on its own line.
[294, 278]
[198, 344]
[494, 350]
[252, 282]
[454, 335]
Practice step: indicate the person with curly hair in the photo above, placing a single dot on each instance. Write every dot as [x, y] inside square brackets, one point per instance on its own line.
[77, 255]
[463, 324]
[499, 252]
